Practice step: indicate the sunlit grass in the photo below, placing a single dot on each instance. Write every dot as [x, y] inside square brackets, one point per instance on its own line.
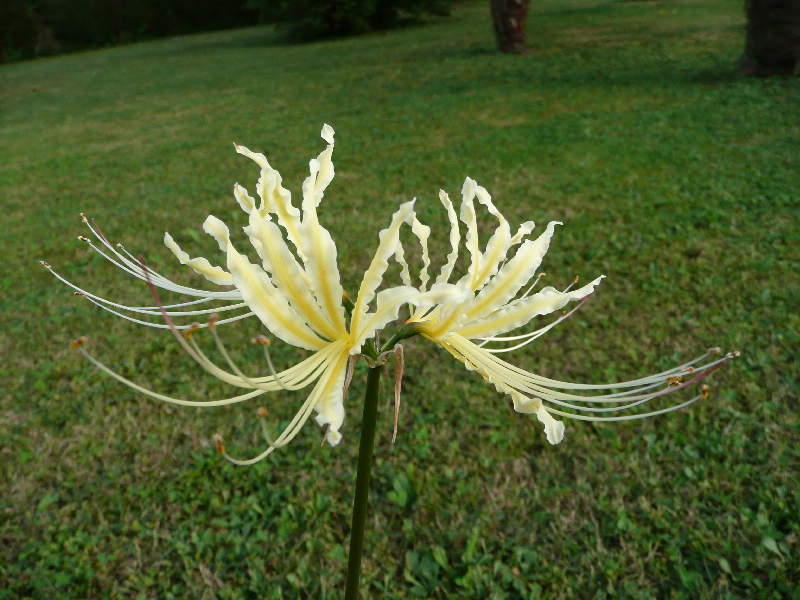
[676, 178]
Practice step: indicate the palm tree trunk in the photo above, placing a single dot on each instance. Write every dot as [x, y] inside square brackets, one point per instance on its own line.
[773, 38]
[510, 18]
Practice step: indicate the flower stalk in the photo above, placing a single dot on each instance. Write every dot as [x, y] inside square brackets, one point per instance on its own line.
[361, 499]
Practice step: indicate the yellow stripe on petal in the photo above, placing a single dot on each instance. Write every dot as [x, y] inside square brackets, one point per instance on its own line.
[268, 304]
[286, 273]
[323, 272]
[279, 200]
[513, 276]
[469, 219]
[521, 312]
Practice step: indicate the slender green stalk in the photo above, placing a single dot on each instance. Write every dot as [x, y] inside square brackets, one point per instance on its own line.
[362, 482]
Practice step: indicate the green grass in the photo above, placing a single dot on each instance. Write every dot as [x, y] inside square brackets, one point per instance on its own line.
[676, 177]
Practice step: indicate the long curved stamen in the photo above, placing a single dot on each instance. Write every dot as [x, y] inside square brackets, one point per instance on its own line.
[146, 310]
[498, 371]
[161, 325]
[265, 343]
[630, 417]
[200, 359]
[293, 378]
[574, 282]
[211, 326]
[533, 335]
[262, 413]
[130, 267]
[224, 295]
[699, 375]
[164, 397]
[638, 399]
[553, 383]
[533, 285]
[297, 422]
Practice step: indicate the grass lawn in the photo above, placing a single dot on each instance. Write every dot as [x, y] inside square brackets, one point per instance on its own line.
[675, 176]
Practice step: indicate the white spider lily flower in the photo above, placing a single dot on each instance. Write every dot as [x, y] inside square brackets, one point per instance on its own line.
[295, 292]
[489, 301]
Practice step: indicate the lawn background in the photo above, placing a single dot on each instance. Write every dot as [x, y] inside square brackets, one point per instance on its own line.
[675, 176]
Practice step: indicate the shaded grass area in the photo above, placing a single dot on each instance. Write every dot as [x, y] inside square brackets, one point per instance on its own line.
[676, 178]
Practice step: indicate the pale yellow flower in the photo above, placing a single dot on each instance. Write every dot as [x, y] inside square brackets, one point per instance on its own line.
[495, 297]
[295, 292]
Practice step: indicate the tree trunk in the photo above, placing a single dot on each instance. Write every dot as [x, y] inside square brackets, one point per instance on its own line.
[773, 38]
[510, 18]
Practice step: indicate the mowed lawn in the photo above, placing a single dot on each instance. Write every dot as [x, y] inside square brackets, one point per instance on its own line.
[676, 178]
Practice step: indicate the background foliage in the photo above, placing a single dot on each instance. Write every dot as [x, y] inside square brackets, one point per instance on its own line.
[676, 177]
[314, 19]
[42, 27]
[39, 27]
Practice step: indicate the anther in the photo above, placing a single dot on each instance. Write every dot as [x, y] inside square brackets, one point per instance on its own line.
[78, 294]
[260, 339]
[262, 412]
[705, 391]
[734, 354]
[84, 218]
[715, 350]
[45, 264]
[75, 344]
[674, 380]
[187, 333]
[218, 444]
[212, 320]
[83, 238]
[119, 245]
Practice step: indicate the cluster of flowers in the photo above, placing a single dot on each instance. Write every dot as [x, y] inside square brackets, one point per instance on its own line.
[297, 294]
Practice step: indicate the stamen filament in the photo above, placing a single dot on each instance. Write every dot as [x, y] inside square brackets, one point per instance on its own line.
[533, 335]
[132, 267]
[162, 325]
[533, 285]
[628, 417]
[164, 397]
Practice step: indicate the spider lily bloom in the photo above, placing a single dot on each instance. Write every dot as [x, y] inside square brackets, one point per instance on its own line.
[489, 302]
[295, 292]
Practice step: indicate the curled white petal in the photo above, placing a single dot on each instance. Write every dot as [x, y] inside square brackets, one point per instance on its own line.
[387, 245]
[218, 230]
[553, 428]
[245, 200]
[199, 265]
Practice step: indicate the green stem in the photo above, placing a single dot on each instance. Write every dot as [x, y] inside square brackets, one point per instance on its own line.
[362, 482]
